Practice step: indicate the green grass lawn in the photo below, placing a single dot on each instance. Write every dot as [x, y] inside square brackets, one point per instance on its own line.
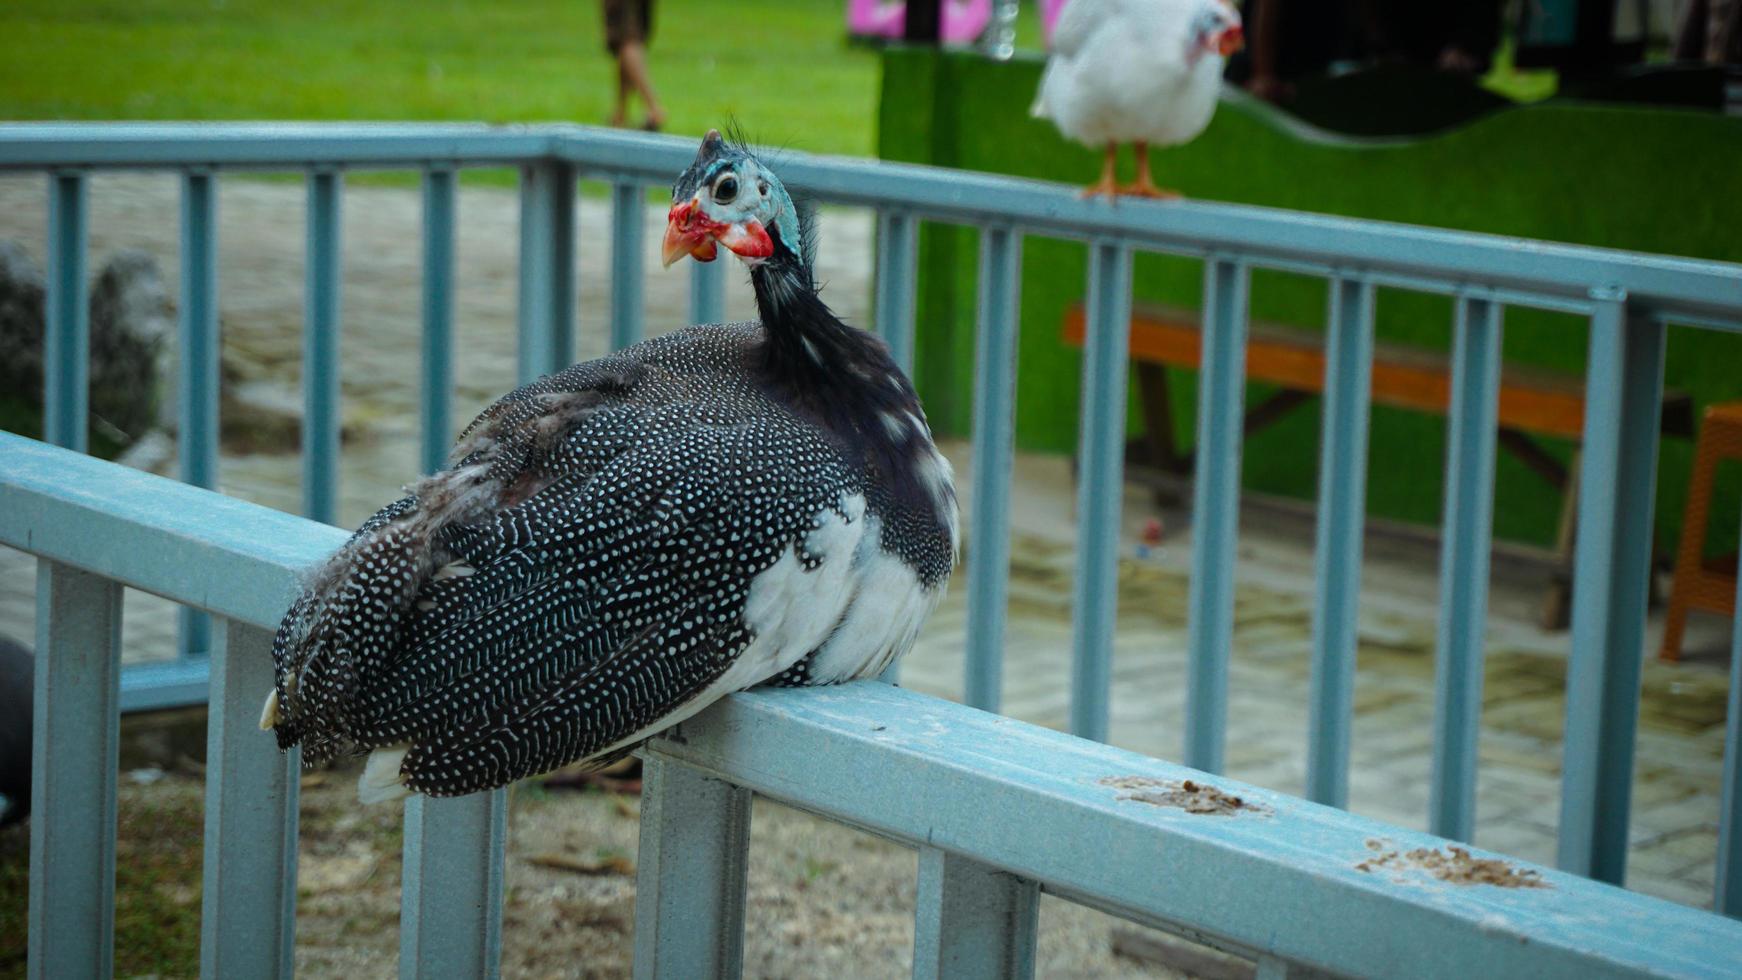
[782, 68]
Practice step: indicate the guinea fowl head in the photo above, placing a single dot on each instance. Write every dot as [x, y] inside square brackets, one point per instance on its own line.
[727, 197]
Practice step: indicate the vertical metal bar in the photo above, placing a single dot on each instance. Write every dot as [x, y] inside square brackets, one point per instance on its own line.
[67, 348]
[1337, 556]
[972, 921]
[73, 769]
[1215, 510]
[689, 888]
[438, 317]
[628, 218]
[547, 269]
[1623, 396]
[1466, 537]
[994, 454]
[896, 274]
[897, 253]
[707, 287]
[320, 350]
[1100, 486]
[248, 913]
[450, 913]
[1728, 897]
[197, 376]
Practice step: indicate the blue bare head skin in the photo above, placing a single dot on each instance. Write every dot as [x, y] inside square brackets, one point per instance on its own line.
[728, 196]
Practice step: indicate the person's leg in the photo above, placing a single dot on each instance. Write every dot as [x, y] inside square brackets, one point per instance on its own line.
[632, 57]
[620, 109]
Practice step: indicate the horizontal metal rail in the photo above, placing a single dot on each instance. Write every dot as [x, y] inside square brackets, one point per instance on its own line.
[1000, 808]
[1709, 293]
[1270, 875]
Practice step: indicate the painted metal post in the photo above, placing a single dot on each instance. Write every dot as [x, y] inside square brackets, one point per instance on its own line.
[67, 348]
[248, 909]
[1215, 510]
[628, 231]
[1466, 536]
[689, 888]
[972, 921]
[547, 269]
[1623, 395]
[197, 366]
[1728, 897]
[897, 254]
[707, 289]
[320, 349]
[1337, 555]
[450, 912]
[437, 394]
[1100, 486]
[896, 274]
[73, 770]
[994, 455]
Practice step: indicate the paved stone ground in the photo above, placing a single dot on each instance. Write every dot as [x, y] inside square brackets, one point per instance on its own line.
[1681, 731]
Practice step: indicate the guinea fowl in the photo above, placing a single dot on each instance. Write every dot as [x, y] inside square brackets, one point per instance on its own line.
[1145, 72]
[616, 546]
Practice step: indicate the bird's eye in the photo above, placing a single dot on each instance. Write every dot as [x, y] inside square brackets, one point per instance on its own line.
[725, 189]
[762, 187]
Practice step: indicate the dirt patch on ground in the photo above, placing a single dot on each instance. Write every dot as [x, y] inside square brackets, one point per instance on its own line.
[1454, 864]
[1187, 795]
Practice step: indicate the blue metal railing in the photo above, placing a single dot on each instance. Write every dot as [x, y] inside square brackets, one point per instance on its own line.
[998, 810]
[1629, 299]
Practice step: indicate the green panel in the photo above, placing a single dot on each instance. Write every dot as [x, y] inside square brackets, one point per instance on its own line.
[1650, 180]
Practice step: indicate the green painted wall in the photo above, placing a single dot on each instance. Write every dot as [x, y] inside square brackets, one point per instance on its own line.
[1644, 179]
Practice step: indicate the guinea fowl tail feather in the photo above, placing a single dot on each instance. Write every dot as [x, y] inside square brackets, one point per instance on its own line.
[355, 604]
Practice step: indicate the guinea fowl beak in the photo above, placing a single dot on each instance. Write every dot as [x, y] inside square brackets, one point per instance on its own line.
[689, 231]
[1232, 40]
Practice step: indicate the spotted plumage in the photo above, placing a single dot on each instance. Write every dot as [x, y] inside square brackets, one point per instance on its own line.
[616, 546]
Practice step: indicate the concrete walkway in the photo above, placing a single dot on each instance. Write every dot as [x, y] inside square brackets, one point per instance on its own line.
[1681, 731]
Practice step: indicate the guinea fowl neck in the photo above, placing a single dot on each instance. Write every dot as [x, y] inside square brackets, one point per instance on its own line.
[809, 348]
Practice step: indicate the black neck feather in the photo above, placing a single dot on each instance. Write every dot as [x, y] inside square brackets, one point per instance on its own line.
[845, 379]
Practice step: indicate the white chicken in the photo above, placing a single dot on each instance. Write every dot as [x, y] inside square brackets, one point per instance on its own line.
[1144, 72]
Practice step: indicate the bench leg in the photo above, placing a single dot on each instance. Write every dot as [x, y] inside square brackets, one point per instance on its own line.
[1557, 605]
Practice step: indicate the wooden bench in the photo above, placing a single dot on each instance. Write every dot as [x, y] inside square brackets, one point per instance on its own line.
[1533, 402]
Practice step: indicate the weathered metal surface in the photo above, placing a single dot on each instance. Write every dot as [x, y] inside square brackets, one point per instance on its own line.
[450, 907]
[690, 883]
[547, 269]
[199, 548]
[66, 360]
[994, 457]
[1521, 271]
[628, 231]
[320, 348]
[73, 773]
[436, 396]
[1100, 487]
[197, 364]
[1215, 510]
[1337, 555]
[972, 922]
[1256, 871]
[1617, 480]
[1464, 545]
[248, 903]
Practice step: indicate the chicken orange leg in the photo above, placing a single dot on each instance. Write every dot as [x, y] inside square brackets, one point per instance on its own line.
[1106, 185]
[1144, 185]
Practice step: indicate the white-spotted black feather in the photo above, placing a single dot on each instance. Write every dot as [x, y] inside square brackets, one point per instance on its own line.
[617, 545]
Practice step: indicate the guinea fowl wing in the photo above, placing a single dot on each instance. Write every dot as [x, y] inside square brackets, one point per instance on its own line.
[657, 537]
